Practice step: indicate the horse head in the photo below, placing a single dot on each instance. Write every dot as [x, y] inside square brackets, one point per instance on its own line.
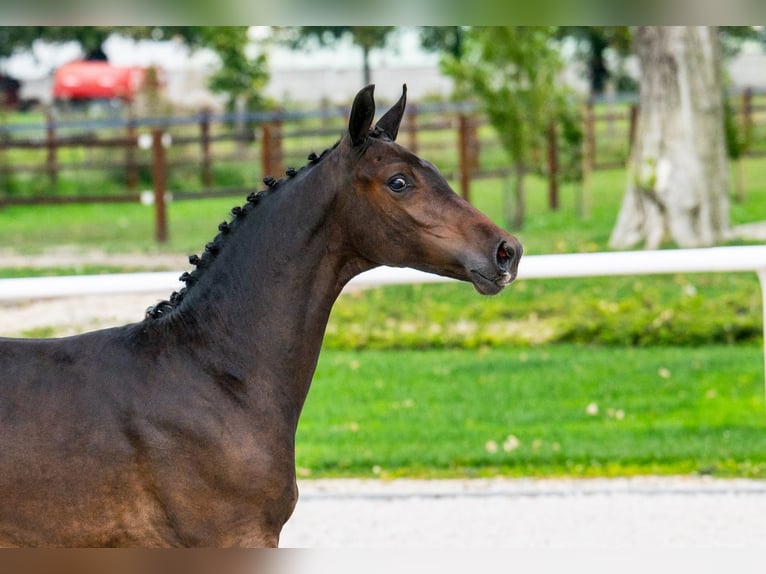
[401, 211]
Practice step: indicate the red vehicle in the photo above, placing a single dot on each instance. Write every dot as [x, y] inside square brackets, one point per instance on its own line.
[95, 80]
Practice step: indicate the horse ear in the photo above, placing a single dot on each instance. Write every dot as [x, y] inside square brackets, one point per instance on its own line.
[389, 123]
[362, 114]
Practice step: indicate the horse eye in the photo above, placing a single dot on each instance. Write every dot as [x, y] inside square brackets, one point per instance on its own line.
[397, 183]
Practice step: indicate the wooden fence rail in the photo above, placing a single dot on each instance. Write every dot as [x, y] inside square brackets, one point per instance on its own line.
[130, 149]
[272, 141]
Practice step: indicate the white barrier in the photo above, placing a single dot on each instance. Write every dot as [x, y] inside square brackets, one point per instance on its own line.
[83, 285]
[707, 260]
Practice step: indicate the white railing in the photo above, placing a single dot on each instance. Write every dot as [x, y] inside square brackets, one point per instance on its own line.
[707, 260]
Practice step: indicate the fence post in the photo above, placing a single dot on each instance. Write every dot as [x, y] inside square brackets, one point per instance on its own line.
[553, 168]
[324, 115]
[747, 115]
[204, 128]
[130, 152]
[590, 132]
[588, 159]
[5, 171]
[159, 177]
[271, 149]
[51, 161]
[468, 144]
[746, 109]
[412, 127]
[762, 284]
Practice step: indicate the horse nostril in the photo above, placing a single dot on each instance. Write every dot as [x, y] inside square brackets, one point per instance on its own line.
[505, 255]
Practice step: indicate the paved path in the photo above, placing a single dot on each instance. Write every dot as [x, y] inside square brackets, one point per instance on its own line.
[644, 513]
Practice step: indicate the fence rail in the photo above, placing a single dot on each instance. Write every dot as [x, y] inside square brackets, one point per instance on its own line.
[269, 140]
[202, 146]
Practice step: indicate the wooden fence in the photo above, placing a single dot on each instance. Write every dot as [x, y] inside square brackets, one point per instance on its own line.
[265, 136]
[143, 157]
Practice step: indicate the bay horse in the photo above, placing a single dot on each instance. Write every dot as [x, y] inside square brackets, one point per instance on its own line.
[179, 430]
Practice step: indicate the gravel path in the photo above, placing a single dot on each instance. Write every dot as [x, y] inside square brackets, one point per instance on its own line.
[641, 513]
[71, 315]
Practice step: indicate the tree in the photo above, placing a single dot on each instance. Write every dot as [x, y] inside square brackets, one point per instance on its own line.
[240, 75]
[444, 39]
[677, 184]
[513, 72]
[367, 38]
[592, 43]
[90, 38]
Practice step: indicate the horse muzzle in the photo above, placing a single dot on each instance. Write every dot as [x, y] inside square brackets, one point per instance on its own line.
[501, 269]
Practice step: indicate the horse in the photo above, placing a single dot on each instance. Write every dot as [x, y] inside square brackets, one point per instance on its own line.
[178, 430]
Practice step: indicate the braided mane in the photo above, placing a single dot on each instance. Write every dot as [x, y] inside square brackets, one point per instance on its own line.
[225, 230]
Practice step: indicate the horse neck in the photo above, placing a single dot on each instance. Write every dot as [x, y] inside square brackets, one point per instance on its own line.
[262, 306]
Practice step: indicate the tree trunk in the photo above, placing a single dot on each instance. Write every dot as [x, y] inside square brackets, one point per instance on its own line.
[514, 204]
[677, 184]
[366, 66]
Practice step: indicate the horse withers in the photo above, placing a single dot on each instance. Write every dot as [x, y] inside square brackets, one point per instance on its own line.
[179, 430]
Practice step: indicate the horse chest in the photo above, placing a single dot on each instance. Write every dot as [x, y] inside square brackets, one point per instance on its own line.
[234, 486]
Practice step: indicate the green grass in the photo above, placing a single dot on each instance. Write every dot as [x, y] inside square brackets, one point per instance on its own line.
[15, 272]
[123, 228]
[557, 410]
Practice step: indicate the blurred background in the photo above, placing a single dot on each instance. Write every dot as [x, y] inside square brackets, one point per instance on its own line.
[122, 147]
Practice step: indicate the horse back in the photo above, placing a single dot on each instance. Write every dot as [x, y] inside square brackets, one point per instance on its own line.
[43, 378]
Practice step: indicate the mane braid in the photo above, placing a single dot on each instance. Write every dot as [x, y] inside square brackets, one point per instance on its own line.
[225, 230]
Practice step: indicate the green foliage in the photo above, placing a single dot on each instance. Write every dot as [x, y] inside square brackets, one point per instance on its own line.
[512, 71]
[239, 75]
[732, 38]
[591, 44]
[13, 38]
[738, 138]
[680, 310]
[90, 38]
[444, 39]
[570, 136]
[11, 272]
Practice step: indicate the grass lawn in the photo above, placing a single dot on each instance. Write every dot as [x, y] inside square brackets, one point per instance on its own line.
[120, 228]
[544, 411]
